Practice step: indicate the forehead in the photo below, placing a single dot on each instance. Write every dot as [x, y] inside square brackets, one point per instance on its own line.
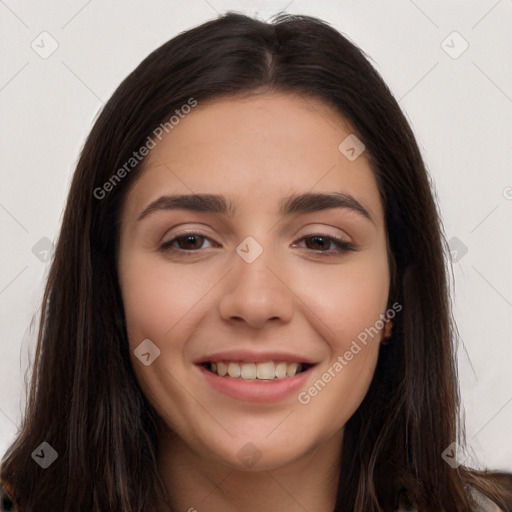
[257, 149]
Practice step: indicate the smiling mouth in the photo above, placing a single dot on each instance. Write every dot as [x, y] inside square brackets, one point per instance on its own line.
[268, 370]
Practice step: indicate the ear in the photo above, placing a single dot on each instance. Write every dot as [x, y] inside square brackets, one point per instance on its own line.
[388, 328]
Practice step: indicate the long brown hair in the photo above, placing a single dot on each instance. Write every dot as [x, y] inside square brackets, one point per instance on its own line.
[84, 399]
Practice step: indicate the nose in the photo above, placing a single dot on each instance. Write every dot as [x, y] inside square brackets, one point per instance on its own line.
[257, 292]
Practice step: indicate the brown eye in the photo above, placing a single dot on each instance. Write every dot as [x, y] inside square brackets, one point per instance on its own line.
[318, 242]
[327, 245]
[190, 242]
[187, 242]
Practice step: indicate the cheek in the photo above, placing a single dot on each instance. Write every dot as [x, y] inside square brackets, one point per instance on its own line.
[159, 306]
[156, 300]
[350, 302]
[348, 299]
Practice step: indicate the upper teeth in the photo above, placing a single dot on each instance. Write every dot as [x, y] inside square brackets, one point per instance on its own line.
[252, 371]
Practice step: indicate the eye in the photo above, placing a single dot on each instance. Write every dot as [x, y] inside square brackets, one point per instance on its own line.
[326, 244]
[189, 242]
[319, 243]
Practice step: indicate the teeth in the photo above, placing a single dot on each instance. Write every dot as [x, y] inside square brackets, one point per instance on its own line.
[221, 369]
[291, 369]
[234, 370]
[268, 370]
[248, 371]
[280, 370]
[265, 371]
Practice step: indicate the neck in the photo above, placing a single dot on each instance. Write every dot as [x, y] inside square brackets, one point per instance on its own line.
[198, 484]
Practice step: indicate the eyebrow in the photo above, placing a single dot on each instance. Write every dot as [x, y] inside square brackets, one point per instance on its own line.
[295, 203]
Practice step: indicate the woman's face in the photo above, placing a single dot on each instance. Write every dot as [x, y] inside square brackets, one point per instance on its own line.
[253, 280]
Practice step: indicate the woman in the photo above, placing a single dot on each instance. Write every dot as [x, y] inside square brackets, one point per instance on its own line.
[248, 301]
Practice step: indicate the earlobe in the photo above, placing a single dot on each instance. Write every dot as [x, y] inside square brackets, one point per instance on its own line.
[388, 328]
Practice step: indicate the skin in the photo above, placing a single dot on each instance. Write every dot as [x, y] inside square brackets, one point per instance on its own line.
[292, 298]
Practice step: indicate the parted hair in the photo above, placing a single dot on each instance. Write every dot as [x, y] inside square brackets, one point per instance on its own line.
[84, 399]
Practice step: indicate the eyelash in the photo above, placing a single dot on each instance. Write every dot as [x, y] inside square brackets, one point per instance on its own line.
[342, 245]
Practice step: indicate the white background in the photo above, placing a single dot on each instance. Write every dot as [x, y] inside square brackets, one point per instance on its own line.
[460, 109]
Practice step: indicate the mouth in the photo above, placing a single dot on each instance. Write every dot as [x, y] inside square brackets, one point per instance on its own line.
[260, 371]
[261, 382]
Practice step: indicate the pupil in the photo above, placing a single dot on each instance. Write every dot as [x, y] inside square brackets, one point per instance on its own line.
[189, 241]
[319, 241]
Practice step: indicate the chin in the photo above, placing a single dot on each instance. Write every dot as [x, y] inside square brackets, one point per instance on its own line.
[263, 454]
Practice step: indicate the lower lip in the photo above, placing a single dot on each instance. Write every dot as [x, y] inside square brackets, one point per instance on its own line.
[257, 391]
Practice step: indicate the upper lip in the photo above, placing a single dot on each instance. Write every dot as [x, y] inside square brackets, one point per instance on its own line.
[254, 357]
